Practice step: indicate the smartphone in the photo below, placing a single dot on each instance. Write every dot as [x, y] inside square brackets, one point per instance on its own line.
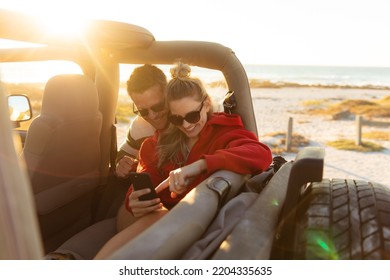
[142, 181]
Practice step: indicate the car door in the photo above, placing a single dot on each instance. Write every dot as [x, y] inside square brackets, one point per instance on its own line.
[19, 234]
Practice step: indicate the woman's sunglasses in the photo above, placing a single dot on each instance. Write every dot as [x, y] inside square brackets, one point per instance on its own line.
[145, 112]
[191, 117]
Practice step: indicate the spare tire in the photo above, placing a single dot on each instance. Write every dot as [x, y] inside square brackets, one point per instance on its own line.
[343, 219]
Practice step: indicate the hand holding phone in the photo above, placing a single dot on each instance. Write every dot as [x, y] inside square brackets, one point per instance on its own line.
[142, 181]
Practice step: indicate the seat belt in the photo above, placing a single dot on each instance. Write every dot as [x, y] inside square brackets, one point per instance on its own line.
[114, 148]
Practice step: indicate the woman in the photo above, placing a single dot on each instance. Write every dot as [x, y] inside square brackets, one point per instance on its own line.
[196, 144]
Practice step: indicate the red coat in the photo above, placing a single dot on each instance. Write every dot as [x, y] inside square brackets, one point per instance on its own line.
[223, 142]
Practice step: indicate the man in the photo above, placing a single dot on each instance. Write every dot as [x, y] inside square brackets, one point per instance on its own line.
[146, 87]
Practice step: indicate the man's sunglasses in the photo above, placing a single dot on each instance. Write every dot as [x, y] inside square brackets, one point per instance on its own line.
[145, 112]
[191, 117]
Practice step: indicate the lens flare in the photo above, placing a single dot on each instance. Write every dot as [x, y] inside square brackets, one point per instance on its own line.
[320, 246]
[275, 202]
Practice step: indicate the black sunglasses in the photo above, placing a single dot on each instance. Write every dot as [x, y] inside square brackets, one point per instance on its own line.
[145, 112]
[191, 117]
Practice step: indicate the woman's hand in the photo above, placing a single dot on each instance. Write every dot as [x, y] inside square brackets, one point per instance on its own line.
[140, 208]
[179, 179]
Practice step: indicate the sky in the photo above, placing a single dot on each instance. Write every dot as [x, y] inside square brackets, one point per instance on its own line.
[280, 32]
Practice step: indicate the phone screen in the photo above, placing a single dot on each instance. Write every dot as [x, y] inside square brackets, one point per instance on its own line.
[142, 181]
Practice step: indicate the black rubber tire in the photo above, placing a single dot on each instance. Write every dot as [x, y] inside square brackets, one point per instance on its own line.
[343, 219]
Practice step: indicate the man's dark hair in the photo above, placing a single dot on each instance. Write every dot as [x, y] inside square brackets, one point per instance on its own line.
[145, 77]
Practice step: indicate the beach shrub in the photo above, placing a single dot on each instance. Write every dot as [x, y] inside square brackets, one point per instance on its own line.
[385, 101]
[350, 145]
[217, 84]
[124, 112]
[349, 108]
[316, 104]
[277, 142]
[257, 83]
[377, 135]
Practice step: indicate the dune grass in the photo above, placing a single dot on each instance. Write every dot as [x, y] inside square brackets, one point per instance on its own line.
[377, 135]
[350, 107]
[216, 84]
[124, 112]
[350, 145]
[279, 146]
[262, 83]
[315, 103]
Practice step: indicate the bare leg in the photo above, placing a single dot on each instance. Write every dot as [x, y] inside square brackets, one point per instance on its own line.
[124, 218]
[129, 233]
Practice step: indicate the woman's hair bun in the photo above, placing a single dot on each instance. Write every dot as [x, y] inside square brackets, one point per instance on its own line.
[180, 71]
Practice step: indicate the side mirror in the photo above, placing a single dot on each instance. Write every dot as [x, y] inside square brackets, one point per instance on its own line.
[19, 108]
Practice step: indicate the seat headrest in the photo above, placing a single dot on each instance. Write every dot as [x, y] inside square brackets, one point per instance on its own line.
[70, 96]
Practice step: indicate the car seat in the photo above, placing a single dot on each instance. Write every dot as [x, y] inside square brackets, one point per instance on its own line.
[62, 154]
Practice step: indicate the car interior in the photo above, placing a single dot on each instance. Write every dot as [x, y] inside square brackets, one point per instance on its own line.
[70, 145]
[70, 150]
[62, 154]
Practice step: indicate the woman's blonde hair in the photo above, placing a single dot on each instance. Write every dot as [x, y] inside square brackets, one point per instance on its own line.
[172, 144]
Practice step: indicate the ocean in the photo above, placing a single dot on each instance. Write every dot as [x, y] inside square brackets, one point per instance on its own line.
[376, 77]
[281, 75]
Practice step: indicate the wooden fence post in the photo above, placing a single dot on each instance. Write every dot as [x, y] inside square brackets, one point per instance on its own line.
[359, 122]
[289, 134]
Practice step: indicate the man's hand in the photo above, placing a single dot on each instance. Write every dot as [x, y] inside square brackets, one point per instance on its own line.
[125, 165]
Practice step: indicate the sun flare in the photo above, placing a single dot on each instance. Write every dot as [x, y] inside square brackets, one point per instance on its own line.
[58, 18]
[64, 27]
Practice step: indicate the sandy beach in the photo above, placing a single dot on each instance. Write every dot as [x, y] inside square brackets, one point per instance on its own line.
[273, 107]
